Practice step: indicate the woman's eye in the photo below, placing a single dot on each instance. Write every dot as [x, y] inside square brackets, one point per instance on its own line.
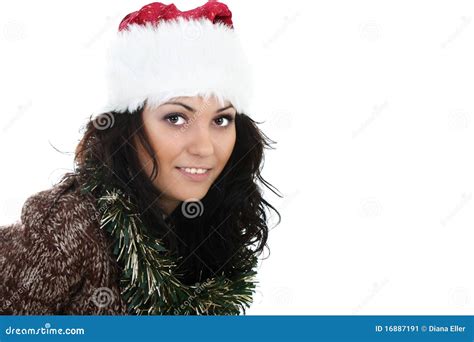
[174, 118]
[226, 119]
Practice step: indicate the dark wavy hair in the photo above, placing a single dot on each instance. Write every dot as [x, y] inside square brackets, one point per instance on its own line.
[234, 212]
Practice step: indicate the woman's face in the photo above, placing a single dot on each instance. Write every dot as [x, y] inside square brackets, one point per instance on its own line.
[187, 133]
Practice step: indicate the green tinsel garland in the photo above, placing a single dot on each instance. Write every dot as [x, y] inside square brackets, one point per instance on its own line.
[149, 282]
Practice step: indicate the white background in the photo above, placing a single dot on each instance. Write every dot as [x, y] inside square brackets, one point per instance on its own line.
[371, 104]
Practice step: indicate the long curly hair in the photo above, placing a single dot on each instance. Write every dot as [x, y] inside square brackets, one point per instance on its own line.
[232, 215]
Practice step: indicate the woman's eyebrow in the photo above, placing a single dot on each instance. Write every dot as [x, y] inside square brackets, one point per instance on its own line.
[194, 110]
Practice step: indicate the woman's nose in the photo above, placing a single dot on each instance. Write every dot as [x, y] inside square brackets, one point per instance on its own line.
[200, 142]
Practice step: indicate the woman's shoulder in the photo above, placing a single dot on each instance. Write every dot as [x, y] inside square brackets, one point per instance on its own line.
[60, 210]
[62, 199]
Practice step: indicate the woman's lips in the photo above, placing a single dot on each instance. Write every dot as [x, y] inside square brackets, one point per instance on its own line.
[196, 177]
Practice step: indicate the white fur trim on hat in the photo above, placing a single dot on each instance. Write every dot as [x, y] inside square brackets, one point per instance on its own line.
[177, 58]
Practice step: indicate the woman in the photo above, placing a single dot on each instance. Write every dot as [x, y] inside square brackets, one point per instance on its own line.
[162, 214]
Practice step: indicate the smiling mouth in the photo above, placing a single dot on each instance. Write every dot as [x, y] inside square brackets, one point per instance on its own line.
[194, 168]
[194, 175]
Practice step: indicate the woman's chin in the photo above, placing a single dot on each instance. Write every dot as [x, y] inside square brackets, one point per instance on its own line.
[190, 196]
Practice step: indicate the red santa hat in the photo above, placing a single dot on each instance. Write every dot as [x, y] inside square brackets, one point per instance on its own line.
[161, 52]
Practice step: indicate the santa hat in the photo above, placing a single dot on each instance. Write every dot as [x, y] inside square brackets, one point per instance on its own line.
[161, 52]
